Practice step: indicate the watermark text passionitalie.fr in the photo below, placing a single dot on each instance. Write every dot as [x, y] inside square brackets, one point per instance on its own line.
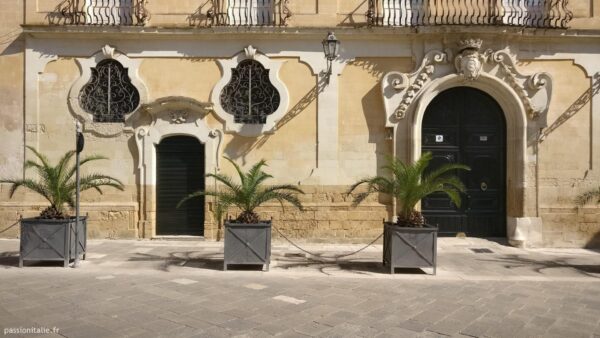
[29, 330]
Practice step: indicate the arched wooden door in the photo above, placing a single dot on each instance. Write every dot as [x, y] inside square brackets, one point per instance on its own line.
[180, 171]
[465, 125]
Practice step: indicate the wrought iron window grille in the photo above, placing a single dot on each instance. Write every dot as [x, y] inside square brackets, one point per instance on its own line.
[109, 95]
[250, 96]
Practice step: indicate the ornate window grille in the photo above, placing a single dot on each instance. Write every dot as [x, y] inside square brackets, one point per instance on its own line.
[250, 96]
[109, 95]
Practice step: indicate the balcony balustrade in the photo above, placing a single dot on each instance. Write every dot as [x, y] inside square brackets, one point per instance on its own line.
[523, 13]
[103, 12]
[249, 13]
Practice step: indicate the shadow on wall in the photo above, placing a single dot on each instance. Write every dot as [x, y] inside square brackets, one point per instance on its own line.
[373, 68]
[200, 18]
[11, 43]
[242, 146]
[375, 118]
[574, 108]
[63, 14]
[361, 9]
[593, 243]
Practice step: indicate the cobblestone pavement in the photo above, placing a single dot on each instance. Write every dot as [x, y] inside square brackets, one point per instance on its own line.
[177, 289]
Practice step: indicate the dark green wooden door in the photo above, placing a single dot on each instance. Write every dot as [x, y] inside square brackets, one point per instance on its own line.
[180, 171]
[465, 125]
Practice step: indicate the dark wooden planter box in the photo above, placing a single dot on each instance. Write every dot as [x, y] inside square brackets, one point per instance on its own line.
[247, 244]
[51, 239]
[409, 247]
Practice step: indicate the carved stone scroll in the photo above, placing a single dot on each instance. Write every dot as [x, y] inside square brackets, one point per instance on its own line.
[402, 90]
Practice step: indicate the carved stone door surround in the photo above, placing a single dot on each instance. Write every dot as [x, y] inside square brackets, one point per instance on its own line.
[166, 117]
[523, 98]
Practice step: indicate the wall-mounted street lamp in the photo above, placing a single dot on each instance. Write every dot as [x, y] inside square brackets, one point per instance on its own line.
[331, 47]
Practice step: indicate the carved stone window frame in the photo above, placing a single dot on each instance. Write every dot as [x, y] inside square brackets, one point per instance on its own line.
[250, 130]
[106, 129]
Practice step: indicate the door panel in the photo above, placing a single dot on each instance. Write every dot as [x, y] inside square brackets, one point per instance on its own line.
[180, 171]
[465, 125]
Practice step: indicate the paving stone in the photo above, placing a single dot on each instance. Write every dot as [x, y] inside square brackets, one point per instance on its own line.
[255, 286]
[312, 329]
[413, 325]
[288, 299]
[142, 300]
[478, 328]
[238, 325]
[272, 328]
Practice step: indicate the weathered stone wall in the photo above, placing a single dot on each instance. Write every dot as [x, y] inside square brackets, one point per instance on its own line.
[565, 157]
[12, 126]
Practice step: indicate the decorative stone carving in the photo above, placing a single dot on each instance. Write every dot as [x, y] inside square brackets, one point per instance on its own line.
[250, 52]
[401, 90]
[469, 62]
[86, 64]
[108, 51]
[271, 67]
[534, 90]
[178, 117]
[176, 110]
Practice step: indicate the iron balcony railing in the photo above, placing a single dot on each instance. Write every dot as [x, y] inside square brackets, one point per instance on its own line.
[523, 13]
[249, 13]
[104, 12]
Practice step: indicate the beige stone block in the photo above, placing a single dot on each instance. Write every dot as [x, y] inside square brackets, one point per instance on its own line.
[591, 218]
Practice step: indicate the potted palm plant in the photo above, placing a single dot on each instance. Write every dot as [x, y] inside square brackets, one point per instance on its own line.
[410, 242]
[51, 235]
[247, 238]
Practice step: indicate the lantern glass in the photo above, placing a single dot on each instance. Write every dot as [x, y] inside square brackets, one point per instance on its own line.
[331, 46]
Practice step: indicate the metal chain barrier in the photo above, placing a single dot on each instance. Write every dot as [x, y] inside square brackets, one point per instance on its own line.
[327, 257]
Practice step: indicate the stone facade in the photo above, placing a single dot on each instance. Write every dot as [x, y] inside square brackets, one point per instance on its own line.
[331, 134]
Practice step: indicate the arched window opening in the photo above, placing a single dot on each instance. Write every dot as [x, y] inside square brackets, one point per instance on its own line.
[250, 96]
[109, 95]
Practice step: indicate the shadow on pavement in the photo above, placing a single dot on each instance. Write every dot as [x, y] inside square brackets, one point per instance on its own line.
[194, 259]
[9, 259]
[539, 265]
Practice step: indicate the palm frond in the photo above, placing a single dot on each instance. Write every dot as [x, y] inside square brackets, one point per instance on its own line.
[55, 183]
[241, 174]
[445, 169]
[31, 185]
[41, 157]
[282, 192]
[83, 161]
[374, 184]
[194, 195]
[251, 192]
[226, 180]
[409, 183]
[280, 197]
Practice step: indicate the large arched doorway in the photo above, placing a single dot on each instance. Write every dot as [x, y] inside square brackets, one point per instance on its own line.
[179, 172]
[466, 125]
